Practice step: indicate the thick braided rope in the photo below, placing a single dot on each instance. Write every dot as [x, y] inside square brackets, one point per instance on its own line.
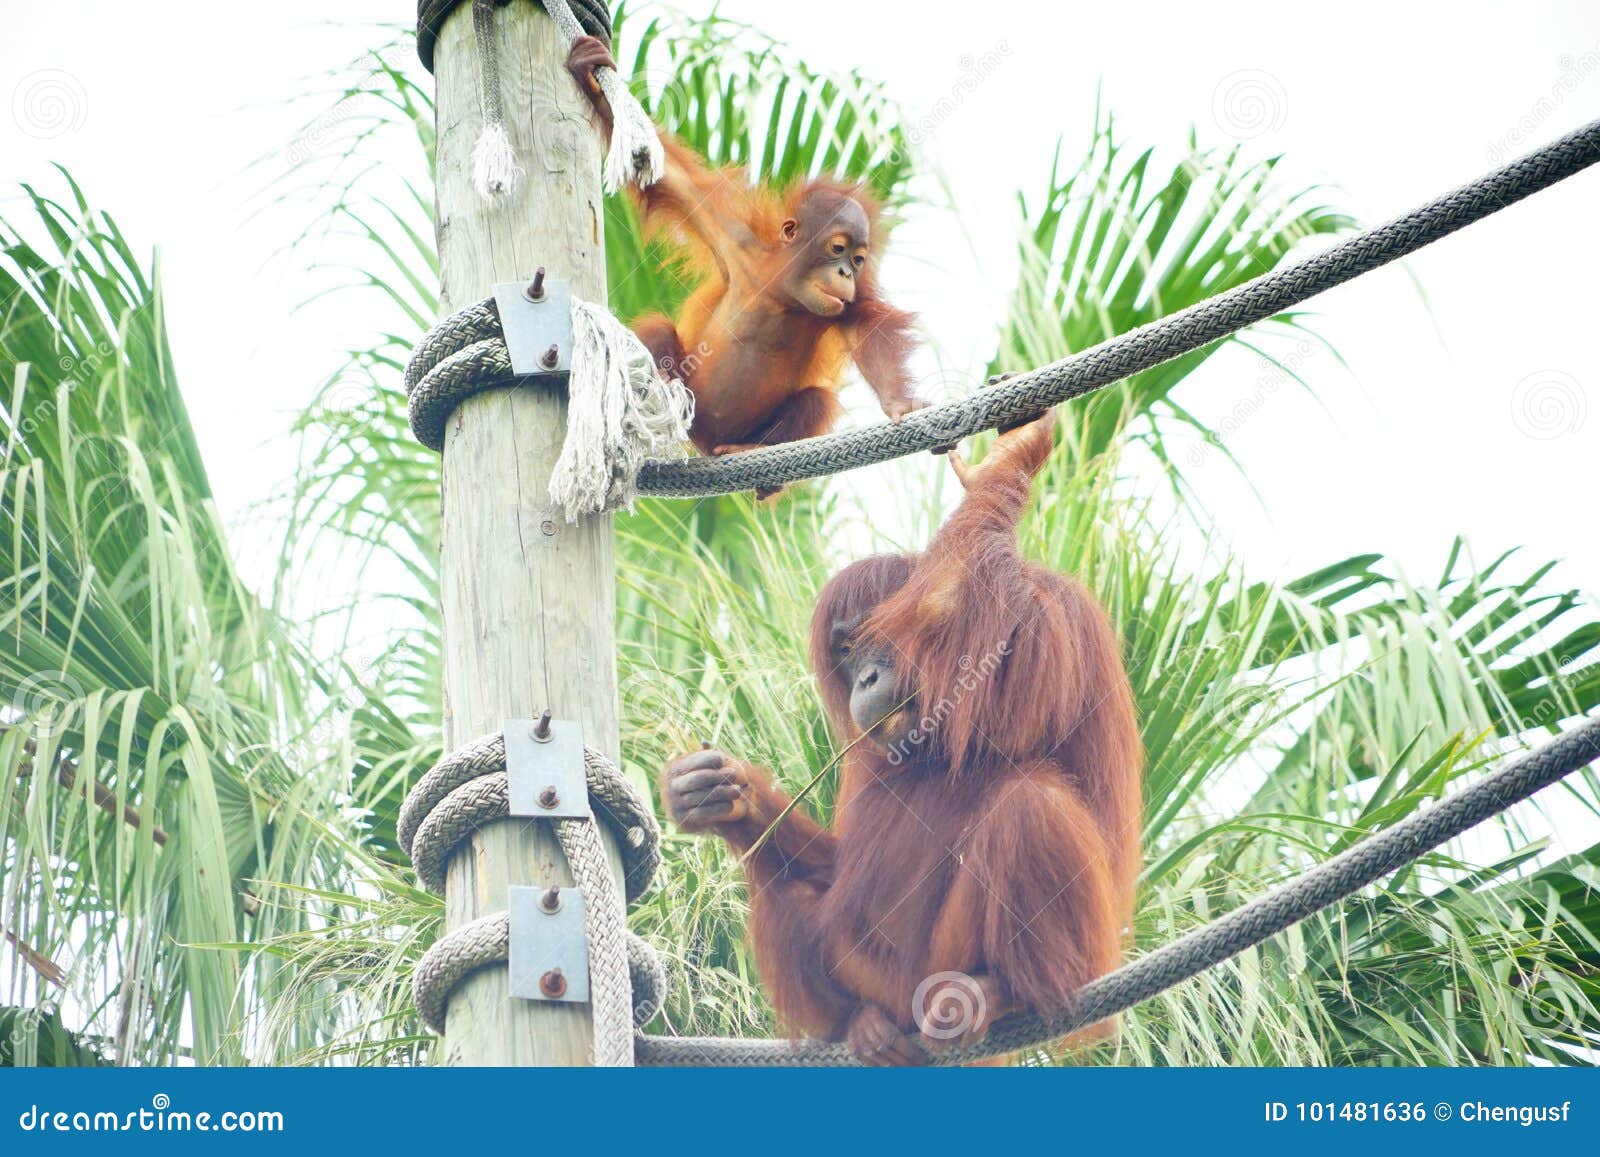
[606, 927]
[1156, 971]
[477, 322]
[488, 61]
[593, 15]
[486, 942]
[468, 788]
[1032, 393]
[484, 365]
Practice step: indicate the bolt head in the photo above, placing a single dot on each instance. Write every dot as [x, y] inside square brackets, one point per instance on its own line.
[553, 984]
[549, 798]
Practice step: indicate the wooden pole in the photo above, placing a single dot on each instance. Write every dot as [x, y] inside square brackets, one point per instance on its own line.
[528, 601]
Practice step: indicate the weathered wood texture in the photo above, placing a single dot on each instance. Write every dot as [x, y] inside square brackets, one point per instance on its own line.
[528, 600]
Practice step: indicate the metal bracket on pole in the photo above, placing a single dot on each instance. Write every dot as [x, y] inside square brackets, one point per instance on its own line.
[544, 764]
[549, 946]
[536, 319]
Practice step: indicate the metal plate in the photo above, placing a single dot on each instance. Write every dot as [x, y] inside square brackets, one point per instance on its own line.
[544, 941]
[532, 327]
[536, 766]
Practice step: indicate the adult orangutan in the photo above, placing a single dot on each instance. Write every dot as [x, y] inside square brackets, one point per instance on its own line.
[787, 301]
[986, 841]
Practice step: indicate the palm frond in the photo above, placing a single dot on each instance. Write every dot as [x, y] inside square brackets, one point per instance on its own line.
[147, 699]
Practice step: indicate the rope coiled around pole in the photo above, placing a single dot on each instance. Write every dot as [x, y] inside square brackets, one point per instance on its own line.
[487, 941]
[593, 15]
[1156, 971]
[469, 789]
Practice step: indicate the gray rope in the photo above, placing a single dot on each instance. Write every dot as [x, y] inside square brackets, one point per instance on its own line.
[594, 16]
[605, 925]
[468, 789]
[486, 942]
[465, 353]
[477, 322]
[488, 62]
[484, 365]
[1158, 970]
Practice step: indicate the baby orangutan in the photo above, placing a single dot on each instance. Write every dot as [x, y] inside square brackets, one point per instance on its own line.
[789, 297]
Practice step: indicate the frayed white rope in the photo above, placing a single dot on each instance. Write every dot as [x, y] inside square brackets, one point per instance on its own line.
[620, 411]
[494, 165]
[635, 156]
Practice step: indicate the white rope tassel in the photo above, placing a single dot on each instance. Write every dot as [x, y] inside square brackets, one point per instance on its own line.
[636, 156]
[620, 411]
[494, 164]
